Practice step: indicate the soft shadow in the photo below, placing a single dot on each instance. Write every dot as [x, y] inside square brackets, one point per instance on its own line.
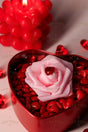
[79, 123]
[65, 15]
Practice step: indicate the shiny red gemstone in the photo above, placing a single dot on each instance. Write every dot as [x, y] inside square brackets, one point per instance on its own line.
[32, 93]
[26, 95]
[61, 50]
[83, 63]
[2, 73]
[80, 94]
[82, 41]
[62, 102]
[49, 70]
[59, 105]
[26, 90]
[32, 59]
[84, 81]
[69, 103]
[35, 105]
[21, 75]
[84, 44]
[52, 107]
[3, 101]
[34, 98]
[28, 100]
[83, 73]
[24, 67]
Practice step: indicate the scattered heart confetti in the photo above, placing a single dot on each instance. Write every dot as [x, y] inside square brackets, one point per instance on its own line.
[4, 101]
[2, 73]
[61, 50]
[84, 43]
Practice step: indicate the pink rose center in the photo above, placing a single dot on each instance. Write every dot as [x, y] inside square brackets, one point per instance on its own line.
[50, 78]
[49, 70]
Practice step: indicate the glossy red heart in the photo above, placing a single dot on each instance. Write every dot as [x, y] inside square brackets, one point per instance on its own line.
[61, 50]
[56, 115]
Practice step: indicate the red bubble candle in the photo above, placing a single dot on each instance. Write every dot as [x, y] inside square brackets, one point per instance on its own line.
[24, 24]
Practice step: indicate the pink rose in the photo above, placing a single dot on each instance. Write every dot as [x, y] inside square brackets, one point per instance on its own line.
[55, 85]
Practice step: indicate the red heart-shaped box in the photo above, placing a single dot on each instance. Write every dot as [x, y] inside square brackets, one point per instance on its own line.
[55, 123]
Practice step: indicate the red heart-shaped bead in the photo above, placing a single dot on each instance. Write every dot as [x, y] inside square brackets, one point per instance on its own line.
[61, 50]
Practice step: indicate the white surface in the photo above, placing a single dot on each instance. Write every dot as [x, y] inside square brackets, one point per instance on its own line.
[69, 26]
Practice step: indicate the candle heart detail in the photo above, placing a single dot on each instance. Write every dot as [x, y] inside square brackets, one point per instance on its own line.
[22, 23]
[40, 116]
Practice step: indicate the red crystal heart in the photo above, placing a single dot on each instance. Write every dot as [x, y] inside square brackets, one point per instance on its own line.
[2, 73]
[4, 101]
[84, 44]
[61, 50]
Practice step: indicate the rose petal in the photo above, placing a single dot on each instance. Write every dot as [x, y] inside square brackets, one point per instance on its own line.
[56, 85]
